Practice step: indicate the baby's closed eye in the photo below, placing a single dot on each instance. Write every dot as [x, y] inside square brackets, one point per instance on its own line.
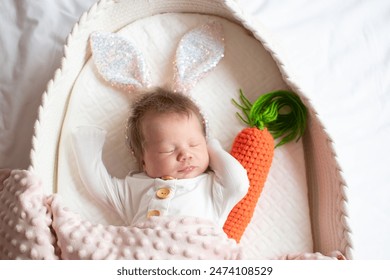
[167, 151]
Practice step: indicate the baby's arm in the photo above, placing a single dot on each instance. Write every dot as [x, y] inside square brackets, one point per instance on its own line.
[229, 172]
[88, 144]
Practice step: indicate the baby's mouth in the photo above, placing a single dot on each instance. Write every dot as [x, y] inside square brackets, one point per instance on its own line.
[187, 169]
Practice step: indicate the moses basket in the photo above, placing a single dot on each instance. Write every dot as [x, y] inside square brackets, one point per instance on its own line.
[304, 213]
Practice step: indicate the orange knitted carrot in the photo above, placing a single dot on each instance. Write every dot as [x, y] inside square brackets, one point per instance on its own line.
[273, 115]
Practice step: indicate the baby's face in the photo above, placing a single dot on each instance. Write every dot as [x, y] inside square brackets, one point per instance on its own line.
[174, 146]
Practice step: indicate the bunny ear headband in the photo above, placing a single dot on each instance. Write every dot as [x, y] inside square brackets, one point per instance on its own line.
[120, 63]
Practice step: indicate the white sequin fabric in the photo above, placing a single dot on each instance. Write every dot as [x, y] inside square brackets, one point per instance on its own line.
[198, 52]
[118, 61]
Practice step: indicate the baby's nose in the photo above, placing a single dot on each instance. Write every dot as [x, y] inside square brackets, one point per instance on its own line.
[184, 155]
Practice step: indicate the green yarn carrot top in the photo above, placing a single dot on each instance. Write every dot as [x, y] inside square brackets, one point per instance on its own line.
[281, 112]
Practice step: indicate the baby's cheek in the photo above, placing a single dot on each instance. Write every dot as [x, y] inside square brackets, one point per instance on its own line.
[158, 167]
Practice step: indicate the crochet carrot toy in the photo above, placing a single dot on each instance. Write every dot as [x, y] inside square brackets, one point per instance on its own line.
[276, 114]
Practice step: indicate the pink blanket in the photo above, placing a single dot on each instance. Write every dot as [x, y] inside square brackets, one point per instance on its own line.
[158, 238]
[36, 226]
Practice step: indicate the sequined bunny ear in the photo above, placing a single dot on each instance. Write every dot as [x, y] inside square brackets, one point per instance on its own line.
[199, 51]
[118, 61]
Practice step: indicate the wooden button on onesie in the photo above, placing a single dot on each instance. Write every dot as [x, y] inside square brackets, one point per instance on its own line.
[163, 193]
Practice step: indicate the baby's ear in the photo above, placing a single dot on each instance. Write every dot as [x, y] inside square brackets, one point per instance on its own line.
[143, 164]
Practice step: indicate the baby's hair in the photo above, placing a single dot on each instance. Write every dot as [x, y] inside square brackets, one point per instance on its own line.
[161, 101]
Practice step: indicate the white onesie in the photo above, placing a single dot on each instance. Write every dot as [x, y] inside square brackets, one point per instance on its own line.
[211, 195]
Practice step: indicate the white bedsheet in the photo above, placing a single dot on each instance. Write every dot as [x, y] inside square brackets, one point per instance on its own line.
[339, 51]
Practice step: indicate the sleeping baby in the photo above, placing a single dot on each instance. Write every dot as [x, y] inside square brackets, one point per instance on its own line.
[182, 173]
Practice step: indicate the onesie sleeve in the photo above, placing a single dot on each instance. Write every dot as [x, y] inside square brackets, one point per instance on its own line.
[87, 142]
[229, 173]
